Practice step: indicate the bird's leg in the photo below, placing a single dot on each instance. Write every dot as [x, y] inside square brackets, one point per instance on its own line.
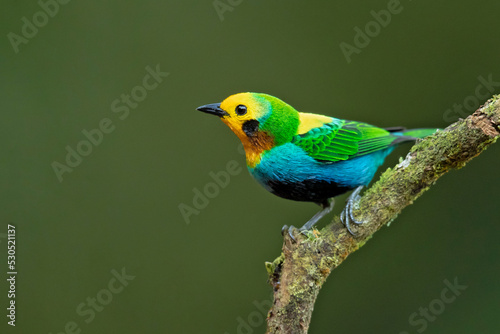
[346, 216]
[326, 207]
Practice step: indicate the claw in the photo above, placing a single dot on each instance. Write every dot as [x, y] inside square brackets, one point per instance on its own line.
[289, 230]
[346, 216]
[284, 229]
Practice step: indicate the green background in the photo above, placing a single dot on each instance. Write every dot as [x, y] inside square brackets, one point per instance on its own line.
[120, 207]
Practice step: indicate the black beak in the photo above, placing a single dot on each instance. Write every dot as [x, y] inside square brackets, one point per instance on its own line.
[214, 109]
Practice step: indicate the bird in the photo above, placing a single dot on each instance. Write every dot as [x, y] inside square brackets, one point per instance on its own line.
[308, 157]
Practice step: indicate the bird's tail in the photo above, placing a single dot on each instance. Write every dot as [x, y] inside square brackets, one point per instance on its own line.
[419, 133]
[409, 135]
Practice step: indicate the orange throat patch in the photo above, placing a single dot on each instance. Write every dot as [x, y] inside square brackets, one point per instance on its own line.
[254, 145]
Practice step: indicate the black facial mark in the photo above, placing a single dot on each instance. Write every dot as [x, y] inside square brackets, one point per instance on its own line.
[251, 127]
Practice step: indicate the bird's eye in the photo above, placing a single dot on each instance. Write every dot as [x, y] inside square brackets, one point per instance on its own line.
[241, 110]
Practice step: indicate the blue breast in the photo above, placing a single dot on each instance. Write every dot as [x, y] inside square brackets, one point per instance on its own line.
[289, 172]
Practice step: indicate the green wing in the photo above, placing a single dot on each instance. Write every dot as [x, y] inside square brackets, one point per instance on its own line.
[342, 140]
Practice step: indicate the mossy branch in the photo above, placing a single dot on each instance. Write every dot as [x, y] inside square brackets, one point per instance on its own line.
[298, 274]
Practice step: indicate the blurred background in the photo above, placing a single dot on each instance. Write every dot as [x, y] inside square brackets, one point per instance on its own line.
[117, 238]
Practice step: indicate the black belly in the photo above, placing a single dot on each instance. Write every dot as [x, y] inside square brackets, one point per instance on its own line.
[308, 191]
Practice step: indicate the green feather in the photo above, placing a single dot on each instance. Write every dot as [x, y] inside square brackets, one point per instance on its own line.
[342, 140]
[283, 122]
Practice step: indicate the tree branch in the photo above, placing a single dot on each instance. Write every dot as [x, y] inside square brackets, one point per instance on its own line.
[298, 274]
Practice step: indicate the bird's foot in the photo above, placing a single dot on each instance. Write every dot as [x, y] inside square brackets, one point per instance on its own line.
[346, 216]
[326, 207]
[290, 229]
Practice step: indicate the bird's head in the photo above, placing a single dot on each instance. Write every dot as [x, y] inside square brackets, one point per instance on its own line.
[261, 121]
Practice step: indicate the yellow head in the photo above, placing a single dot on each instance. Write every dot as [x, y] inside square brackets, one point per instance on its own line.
[260, 121]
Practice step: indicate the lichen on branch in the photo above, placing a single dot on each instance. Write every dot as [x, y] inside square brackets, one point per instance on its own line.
[299, 273]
